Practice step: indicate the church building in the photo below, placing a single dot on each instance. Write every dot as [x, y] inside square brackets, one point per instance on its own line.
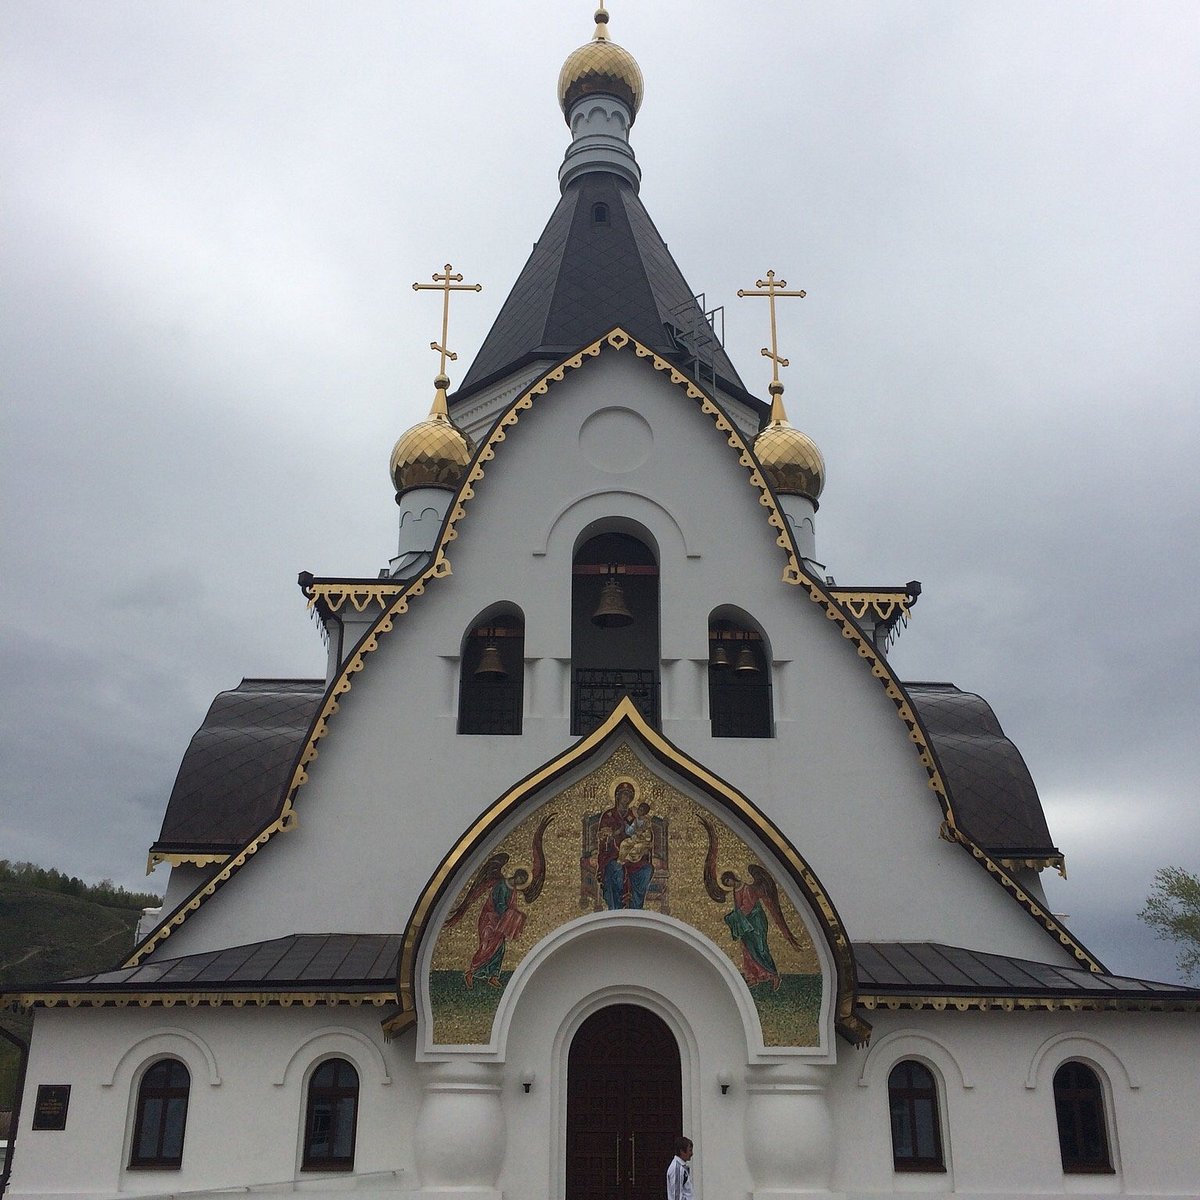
[609, 822]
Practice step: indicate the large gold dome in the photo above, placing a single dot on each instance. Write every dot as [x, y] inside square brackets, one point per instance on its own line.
[601, 67]
[433, 453]
[790, 460]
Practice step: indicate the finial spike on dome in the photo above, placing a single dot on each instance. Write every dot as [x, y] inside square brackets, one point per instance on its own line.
[778, 412]
[440, 408]
[601, 34]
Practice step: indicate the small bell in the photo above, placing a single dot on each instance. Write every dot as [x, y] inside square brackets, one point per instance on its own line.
[490, 666]
[745, 661]
[720, 657]
[612, 612]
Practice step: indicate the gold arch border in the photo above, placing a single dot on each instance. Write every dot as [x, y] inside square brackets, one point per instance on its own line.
[626, 715]
[793, 574]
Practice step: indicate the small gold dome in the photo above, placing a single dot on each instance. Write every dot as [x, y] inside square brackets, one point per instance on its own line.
[790, 460]
[601, 67]
[433, 453]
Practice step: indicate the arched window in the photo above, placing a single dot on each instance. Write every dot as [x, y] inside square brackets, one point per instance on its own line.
[614, 629]
[1079, 1106]
[491, 685]
[916, 1126]
[331, 1117]
[739, 680]
[161, 1116]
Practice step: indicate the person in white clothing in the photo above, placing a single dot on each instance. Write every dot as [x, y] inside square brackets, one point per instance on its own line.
[679, 1173]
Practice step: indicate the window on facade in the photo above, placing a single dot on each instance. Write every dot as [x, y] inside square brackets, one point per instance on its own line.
[614, 630]
[1079, 1106]
[600, 214]
[916, 1127]
[332, 1115]
[161, 1116]
[491, 686]
[739, 681]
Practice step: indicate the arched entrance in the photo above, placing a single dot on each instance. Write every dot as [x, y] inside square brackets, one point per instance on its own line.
[624, 1105]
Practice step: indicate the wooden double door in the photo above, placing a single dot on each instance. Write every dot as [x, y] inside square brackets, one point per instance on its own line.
[624, 1105]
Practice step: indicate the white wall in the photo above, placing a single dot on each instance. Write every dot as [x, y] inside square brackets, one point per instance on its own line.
[395, 786]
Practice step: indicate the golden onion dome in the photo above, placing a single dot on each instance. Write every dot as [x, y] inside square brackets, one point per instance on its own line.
[789, 459]
[434, 452]
[601, 67]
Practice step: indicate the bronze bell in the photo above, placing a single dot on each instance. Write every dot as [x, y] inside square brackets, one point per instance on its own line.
[612, 611]
[745, 661]
[720, 657]
[490, 666]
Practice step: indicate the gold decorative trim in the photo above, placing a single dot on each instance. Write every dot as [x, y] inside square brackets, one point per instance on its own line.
[1031, 1003]
[793, 574]
[155, 857]
[883, 604]
[333, 594]
[86, 999]
[1057, 861]
[627, 714]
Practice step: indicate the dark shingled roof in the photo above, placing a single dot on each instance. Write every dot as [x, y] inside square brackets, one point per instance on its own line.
[368, 962]
[991, 790]
[586, 276]
[916, 968]
[233, 775]
[301, 962]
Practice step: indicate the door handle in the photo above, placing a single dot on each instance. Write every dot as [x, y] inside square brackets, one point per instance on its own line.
[618, 1180]
[633, 1160]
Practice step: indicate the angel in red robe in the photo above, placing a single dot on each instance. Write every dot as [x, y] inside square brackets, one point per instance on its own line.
[500, 918]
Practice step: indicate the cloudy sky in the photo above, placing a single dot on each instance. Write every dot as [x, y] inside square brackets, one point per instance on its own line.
[214, 212]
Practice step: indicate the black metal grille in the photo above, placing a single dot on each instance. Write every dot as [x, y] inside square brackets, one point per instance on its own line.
[489, 706]
[596, 693]
[740, 709]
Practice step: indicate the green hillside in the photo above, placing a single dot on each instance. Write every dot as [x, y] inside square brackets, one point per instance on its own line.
[55, 927]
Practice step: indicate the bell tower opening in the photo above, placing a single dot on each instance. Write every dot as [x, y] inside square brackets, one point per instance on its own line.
[614, 630]
[624, 1105]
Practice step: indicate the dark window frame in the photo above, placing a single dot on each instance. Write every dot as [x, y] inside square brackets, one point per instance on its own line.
[156, 1102]
[911, 1094]
[1079, 1101]
[319, 1094]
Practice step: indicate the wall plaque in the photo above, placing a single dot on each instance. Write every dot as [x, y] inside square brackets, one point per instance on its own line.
[50, 1108]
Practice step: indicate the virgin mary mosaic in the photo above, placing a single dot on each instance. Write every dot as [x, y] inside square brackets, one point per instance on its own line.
[622, 838]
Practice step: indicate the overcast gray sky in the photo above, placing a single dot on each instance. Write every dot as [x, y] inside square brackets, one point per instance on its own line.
[214, 213]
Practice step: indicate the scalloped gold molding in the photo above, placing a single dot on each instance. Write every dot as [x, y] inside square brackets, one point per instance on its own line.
[793, 574]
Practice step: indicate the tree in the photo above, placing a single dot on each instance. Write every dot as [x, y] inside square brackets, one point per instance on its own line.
[1173, 912]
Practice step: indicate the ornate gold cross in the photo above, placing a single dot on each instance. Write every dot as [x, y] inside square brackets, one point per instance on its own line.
[772, 287]
[445, 283]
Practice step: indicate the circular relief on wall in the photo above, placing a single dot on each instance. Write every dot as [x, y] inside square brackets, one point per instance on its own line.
[616, 440]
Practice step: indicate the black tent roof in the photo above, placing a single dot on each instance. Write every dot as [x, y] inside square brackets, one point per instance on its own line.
[599, 263]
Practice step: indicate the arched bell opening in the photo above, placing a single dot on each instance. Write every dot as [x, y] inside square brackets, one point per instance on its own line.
[492, 673]
[614, 629]
[739, 677]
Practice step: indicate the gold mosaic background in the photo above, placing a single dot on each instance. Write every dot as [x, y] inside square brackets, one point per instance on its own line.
[463, 1016]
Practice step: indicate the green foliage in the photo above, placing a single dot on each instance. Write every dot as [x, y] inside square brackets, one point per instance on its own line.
[54, 926]
[49, 880]
[1173, 912]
